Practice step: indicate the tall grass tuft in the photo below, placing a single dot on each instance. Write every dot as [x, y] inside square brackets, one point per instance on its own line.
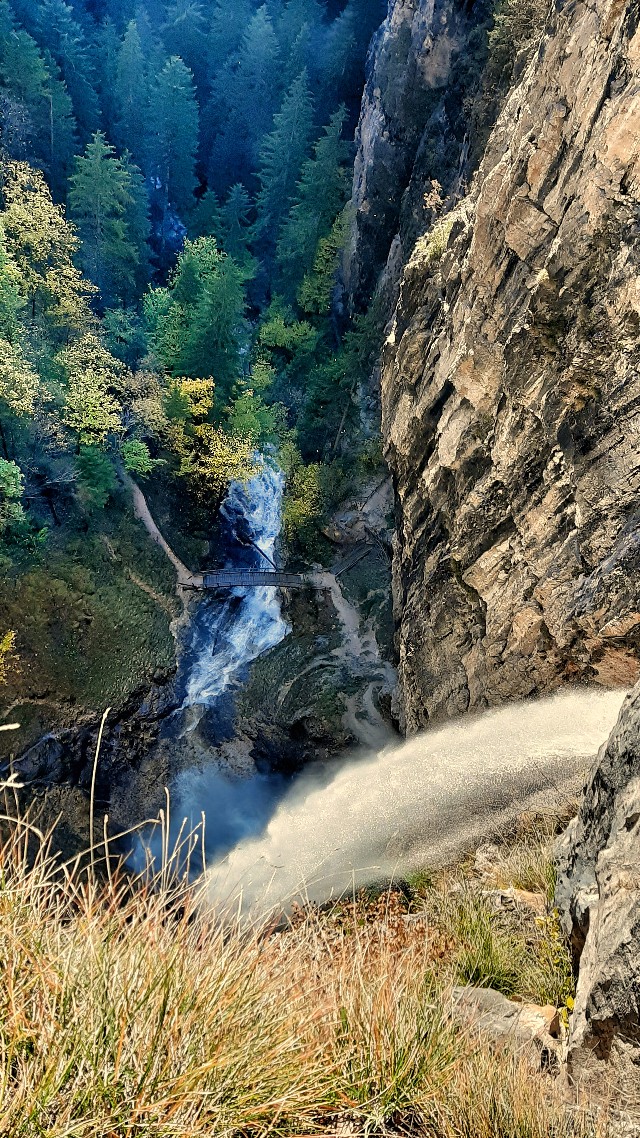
[128, 1010]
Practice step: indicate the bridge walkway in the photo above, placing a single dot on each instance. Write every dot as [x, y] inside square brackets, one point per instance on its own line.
[252, 579]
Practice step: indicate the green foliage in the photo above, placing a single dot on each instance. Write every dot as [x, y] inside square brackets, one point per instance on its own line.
[90, 411]
[249, 417]
[316, 290]
[205, 218]
[517, 24]
[195, 325]
[65, 39]
[282, 155]
[96, 477]
[320, 197]
[7, 653]
[104, 115]
[94, 377]
[131, 96]
[124, 334]
[11, 491]
[42, 245]
[303, 504]
[174, 141]
[487, 955]
[107, 202]
[329, 409]
[11, 298]
[282, 332]
[216, 459]
[245, 96]
[35, 107]
[235, 229]
[19, 382]
[136, 458]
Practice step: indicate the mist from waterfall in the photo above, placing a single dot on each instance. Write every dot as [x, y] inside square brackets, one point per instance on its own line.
[424, 802]
[368, 817]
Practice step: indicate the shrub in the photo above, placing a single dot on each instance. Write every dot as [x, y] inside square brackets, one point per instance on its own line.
[96, 477]
[11, 489]
[136, 458]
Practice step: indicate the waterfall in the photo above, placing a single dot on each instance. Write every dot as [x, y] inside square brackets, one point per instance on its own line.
[421, 803]
[230, 631]
[229, 636]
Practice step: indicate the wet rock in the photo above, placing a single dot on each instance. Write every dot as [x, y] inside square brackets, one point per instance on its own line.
[598, 896]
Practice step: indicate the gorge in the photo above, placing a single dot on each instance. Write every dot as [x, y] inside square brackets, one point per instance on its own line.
[406, 370]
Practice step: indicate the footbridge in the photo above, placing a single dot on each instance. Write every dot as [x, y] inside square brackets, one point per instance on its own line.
[248, 578]
[271, 577]
[251, 579]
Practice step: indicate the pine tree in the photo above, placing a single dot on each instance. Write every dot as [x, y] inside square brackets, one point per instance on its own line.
[131, 96]
[195, 325]
[346, 48]
[300, 30]
[225, 35]
[236, 231]
[320, 196]
[175, 136]
[60, 131]
[106, 54]
[23, 76]
[138, 226]
[66, 41]
[283, 153]
[36, 117]
[247, 96]
[184, 34]
[120, 12]
[205, 219]
[22, 67]
[106, 203]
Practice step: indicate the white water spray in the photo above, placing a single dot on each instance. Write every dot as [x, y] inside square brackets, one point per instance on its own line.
[421, 803]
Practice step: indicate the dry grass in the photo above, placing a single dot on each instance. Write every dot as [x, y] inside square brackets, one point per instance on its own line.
[129, 1012]
[525, 860]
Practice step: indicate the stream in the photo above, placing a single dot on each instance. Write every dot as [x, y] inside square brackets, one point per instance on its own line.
[217, 780]
[384, 807]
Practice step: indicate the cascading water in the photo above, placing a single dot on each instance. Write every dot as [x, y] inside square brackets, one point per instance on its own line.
[230, 636]
[367, 817]
[421, 803]
[230, 632]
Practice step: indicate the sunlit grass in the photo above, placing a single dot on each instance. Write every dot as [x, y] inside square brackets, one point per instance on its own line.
[129, 1010]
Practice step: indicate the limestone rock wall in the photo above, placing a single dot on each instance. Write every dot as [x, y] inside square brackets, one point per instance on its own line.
[599, 900]
[511, 392]
[410, 130]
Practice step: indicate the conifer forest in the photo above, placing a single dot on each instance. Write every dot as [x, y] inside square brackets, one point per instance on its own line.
[174, 181]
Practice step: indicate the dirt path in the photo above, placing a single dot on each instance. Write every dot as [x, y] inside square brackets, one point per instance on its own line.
[186, 579]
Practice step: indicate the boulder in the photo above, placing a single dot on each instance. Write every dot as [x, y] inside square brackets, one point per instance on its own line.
[525, 1028]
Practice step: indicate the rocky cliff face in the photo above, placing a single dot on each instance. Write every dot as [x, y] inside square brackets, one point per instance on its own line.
[411, 131]
[510, 386]
[599, 899]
